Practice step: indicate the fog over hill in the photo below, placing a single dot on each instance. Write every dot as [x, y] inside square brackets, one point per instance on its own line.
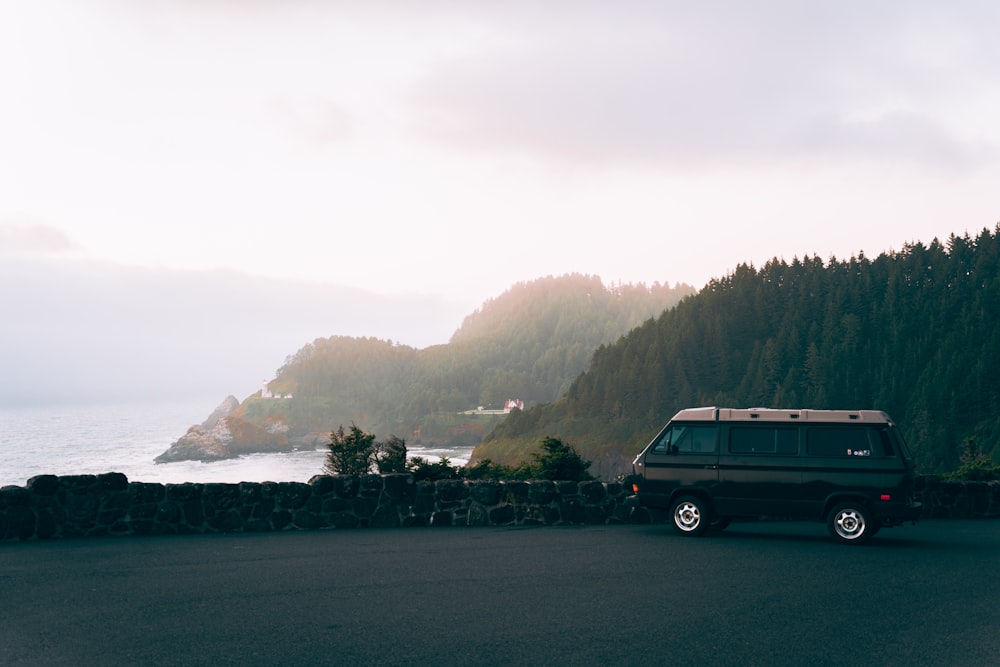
[91, 332]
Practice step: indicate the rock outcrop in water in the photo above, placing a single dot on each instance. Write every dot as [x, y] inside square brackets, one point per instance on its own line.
[226, 408]
[225, 435]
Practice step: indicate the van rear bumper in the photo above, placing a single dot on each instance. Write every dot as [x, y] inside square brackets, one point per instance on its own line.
[897, 513]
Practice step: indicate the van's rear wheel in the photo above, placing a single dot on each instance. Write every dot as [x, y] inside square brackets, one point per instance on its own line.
[851, 523]
[691, 515]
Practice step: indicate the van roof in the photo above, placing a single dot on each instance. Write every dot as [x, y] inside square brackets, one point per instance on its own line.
[781, 415]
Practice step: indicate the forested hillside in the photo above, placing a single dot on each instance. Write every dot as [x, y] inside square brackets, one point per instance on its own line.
[914, 332]
[527, 344]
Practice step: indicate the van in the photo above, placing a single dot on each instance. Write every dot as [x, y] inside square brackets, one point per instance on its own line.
[848, 468]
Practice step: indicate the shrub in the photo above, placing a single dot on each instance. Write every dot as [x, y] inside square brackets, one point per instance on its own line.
[356, 452]
[558, 461]
[976, 466]
[487, 469]
[422, 469]
[390, 455]
[350, 453]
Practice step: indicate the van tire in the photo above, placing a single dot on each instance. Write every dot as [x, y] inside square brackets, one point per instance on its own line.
[851, 523]
[690, 515]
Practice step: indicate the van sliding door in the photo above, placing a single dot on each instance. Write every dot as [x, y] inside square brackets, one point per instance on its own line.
[759, 471]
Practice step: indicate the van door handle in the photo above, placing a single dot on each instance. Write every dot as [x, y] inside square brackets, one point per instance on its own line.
[710, 467]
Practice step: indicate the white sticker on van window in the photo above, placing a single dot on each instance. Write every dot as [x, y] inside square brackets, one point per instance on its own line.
[859, 452]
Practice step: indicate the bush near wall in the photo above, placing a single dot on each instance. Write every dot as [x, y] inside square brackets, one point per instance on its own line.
[50, 507]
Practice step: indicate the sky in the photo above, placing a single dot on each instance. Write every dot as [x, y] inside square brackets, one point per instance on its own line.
[441, 151]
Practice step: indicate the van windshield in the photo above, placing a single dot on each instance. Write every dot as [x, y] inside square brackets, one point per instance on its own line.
[687, 439]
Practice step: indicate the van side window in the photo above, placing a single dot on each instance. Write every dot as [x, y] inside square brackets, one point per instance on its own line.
[839, 442]
[687, 439]
[763, 440]
[884, 439]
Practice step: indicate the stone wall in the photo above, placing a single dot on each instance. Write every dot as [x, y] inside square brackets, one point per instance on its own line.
[952, 499]
[109, 505]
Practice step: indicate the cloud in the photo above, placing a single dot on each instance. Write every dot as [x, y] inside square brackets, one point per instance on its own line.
[897, 135]
[385, 145]
[314, 121]
[671, 84]
[33, 240]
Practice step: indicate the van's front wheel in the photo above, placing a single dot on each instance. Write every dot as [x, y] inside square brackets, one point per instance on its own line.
[851, 523]
[691, 515]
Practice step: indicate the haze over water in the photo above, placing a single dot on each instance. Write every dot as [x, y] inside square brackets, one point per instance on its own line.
[126, 437]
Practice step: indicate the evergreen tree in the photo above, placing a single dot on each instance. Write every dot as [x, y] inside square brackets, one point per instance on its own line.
[350, 453]
[559, 461]
[390, 455]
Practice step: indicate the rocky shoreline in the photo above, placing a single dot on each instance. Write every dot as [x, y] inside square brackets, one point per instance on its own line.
[224, 435]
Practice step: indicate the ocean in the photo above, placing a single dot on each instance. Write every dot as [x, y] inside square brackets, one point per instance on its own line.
[127, 437]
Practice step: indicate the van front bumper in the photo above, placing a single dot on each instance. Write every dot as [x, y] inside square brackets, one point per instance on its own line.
[654, 500]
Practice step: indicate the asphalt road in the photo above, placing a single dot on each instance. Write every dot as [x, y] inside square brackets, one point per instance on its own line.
[757, 594]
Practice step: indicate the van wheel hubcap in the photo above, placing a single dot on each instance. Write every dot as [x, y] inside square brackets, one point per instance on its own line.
[850, 524]
[687, 516]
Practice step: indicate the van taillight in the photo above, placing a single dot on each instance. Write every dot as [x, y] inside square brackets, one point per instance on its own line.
[885, 496]
[635, 488]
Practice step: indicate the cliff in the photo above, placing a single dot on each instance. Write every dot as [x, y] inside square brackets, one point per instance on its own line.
[527, 345]
[225, 435]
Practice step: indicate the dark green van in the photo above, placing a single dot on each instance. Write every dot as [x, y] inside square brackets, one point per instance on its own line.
[849, 468]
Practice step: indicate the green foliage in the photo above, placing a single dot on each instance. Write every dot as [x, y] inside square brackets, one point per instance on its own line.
[976, 466]
[558, 461]
[422, 469]
[356, 452]
[350, 453]
[487, 469]
[390, 455]
[527, 344]
[912, 332]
